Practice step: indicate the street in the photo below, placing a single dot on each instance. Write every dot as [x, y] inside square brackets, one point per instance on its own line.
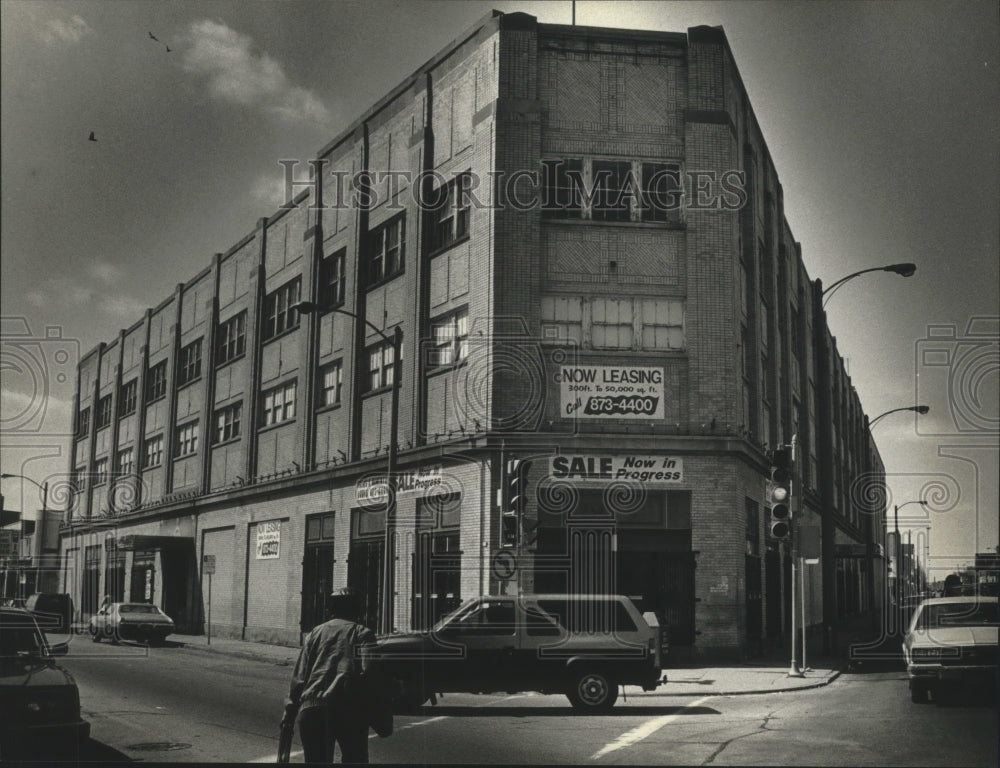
[174, 704]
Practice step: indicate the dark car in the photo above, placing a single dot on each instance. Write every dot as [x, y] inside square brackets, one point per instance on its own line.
[583, 647]
[39, 700]
[131, 621]
[52, 610]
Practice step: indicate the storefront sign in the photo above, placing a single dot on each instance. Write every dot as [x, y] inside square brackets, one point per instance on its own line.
[268, 540]
[642, 468]
[606, 392]
[369, 490]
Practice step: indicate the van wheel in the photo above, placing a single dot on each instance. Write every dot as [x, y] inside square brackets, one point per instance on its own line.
[95, 634]
[592, 691]
[410, 698]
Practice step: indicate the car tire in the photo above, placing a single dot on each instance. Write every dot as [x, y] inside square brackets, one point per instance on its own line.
[411, 697]
[918, 692]
[95, 634]
[591, 690]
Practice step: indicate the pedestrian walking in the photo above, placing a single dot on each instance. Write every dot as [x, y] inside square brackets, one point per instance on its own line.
[336, 689]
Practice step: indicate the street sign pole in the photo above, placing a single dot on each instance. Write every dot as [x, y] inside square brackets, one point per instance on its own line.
[208, 568]
[794, 508]
[209, 608]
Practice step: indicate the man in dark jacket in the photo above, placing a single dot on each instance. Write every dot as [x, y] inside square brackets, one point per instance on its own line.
[325, 692]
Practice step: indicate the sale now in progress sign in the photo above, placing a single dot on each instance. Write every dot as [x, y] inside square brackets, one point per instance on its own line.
[611, 392]
[650, 470]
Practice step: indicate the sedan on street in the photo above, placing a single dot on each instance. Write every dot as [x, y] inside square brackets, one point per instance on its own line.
[951, 640]
[131, 621]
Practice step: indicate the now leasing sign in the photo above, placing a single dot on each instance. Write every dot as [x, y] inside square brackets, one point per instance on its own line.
[650, 470]
[268, 540]
[611, 392]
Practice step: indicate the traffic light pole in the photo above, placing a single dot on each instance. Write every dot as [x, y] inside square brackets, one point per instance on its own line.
[793, 504]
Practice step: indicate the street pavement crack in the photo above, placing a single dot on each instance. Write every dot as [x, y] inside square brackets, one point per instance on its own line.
[761, 728]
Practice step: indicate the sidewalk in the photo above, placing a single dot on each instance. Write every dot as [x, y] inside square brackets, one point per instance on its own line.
[766, 675]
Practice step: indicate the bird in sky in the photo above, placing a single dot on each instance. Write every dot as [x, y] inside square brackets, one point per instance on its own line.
[152, 36]
[92, 137]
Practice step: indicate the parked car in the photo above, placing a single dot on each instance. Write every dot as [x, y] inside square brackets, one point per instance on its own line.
[583, 647]
[130, 621]
[39, 700]
[52, 610]
[951, 640]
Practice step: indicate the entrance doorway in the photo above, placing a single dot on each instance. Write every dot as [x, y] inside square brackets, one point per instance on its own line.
[317, 570]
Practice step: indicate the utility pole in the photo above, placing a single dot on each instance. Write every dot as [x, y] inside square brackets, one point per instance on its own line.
[793, 542]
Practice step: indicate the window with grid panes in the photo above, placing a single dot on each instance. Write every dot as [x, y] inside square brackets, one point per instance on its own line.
[562, 318]
[613, 192]
[386, 252]
[156, 382]
[661, 192]
[380, 366]
[100, 471]
[611, 323]
[232, 338]
[187, 439]
[451, 338]
[332, 279]
[333, 382]
[83, 423]
[563, 182]
[153, 449]
[662, 324]
[104, 411]
[279, 314]
[227, 422]
[451, 213]
[278, 404]
[189, 367]
[127, 397]
[126, 461]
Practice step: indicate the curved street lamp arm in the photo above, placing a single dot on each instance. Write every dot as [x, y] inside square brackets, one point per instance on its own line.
[905, 270]
[921, 409]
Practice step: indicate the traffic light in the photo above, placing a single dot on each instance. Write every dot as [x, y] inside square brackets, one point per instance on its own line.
[514, 501]
[779, 493]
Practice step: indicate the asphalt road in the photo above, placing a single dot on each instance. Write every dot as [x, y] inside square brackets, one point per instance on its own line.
[175, 704]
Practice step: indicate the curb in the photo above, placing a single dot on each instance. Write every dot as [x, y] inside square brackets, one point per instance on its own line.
[237, 653]
[755, 692]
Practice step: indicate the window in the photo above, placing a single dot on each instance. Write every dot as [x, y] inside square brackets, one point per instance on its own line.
[563, 183]
[613, 190]
[386, 250]
[333, 279]
[126, 461]
[100, 471]
[104, 411]
[611, 326]
[333, 381]
[451, 338]
[227, 422]
[190, 363]
[661, 192]
[126, 398]
[156, 382]
[380, 366]
[279, 404]
[451, 215]
[562, 318]
[83, 423]
[662, 324]
[154, 451]
[232, 338]
[278, 308]
[187, 439]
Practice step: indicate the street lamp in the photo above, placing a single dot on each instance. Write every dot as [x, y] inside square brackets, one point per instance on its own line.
[43, 487]
[904, 270]
[921, 409]
[388, 570]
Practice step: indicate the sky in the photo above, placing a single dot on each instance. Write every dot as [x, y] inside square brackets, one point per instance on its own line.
[881, 119]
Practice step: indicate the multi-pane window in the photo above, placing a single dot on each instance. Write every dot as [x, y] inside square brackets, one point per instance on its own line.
[451, 212]
[126, 461]
[662, 324]
[611, 323]
[278, 404]
[563, 184]
[333, 382]
[333, 279]
[380, 365]
[231, 338]
[612, 190]
[279, 312]
[562, 318]
[386, 250]
[104, 411]
[451, 338]
[100, 471]
[153, 449]
[156, 382]
[227, 422]
[126, 398]
[83, 423]
[189, 367]
[186, 441]
[661, 192]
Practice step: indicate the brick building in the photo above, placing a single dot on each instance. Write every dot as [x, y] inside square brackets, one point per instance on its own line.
[640, 359]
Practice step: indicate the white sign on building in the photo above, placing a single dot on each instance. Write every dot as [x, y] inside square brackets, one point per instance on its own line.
[369, 490]
[611, 392]
[268, 540]
[640, 468]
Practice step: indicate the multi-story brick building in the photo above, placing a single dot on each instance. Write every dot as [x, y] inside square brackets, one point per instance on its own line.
[641, 357]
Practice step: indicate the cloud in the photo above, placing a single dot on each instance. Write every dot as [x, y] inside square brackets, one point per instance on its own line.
[269, 189]
[238, 74]
[125, 308]
[106, 272]
[59, 31]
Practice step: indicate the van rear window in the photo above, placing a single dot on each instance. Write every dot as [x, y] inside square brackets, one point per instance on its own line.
[589, 616]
